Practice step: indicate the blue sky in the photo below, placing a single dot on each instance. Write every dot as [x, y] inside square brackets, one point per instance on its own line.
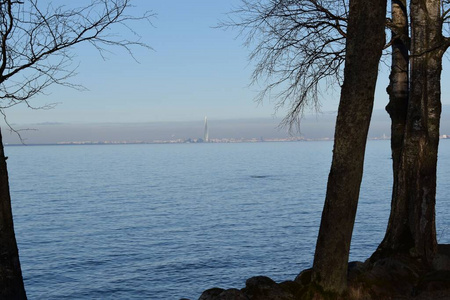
[195, 70]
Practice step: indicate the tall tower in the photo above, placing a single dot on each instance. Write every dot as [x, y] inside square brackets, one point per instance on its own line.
[206, 133]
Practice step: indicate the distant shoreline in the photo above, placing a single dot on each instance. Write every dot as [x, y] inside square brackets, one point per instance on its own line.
[213, 141]
[173, 142]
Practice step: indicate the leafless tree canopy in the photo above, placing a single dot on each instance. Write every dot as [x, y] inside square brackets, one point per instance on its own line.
[37, 38]
[295, 44]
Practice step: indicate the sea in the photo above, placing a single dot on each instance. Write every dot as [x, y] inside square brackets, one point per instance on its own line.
[167, 221]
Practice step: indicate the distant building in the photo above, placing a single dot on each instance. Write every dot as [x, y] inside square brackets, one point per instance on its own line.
[206, 133]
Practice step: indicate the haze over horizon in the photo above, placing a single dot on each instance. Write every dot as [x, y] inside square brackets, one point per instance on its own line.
[316, 126]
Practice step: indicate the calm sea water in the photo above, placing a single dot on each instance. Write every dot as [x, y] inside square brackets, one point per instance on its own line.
[169, 221]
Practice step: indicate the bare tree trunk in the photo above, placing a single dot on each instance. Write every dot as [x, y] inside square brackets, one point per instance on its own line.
[11, 282]
[399, 79]
[365, 41]
[397, 108]
[422, 129]
[411, 228]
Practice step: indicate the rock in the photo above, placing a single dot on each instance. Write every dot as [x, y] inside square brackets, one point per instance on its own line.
[264, 288]
[399, 277]
[435, 281]
[294, 288]
[221, 294]
[355, 268]
[384, 277]
[442, 259]
[232, 294]
[210, 294]
[304, 278]
[260, 282]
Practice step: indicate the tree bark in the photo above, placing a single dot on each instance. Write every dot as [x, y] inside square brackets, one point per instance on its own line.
[365, 41]
[398, 89]
[11, 282]
[411, 229]
[397, 107]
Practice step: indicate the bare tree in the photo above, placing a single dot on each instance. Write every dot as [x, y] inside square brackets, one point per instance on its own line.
[293, 41]
[37, 38]
[298, 46]
[411, 230]
[364, 46]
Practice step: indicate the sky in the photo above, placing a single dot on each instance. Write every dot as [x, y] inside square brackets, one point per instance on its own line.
[194, 70]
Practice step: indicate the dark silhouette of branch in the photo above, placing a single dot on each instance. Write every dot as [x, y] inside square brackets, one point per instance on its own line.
[445, 20]
[296, 45]
[36, 42]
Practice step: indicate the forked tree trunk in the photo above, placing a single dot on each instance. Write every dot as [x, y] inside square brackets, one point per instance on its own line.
[11, 282]
[411, 228]
[397, 107]
[365, 41]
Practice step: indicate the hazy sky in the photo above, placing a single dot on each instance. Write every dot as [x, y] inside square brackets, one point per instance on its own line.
[195, 70]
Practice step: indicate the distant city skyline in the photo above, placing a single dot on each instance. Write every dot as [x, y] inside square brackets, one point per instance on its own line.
[313, 126]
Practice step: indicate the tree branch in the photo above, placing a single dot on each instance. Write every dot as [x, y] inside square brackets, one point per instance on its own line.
[36, 42]
[296, 45]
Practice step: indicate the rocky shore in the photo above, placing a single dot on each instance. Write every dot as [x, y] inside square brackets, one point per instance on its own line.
[387, 278]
